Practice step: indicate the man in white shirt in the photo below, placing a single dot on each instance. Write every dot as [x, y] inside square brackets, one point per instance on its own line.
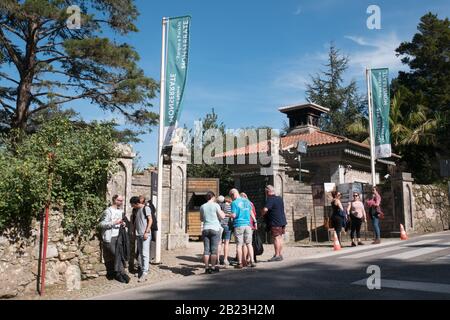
[110, 224]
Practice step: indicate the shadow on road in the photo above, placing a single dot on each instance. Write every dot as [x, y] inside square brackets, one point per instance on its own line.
[304, 280]
[190, 258]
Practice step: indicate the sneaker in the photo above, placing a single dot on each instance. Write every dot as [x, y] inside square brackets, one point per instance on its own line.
[226, 262]
[208, 271]
[353, 244]
[252, 264]
[276, 258]
[215, 270]
[143, 277]
[238, 266]
[377, 241]
[360, 243]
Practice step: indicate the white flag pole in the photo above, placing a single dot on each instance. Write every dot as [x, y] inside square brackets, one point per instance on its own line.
[161, 138]
[372, 138]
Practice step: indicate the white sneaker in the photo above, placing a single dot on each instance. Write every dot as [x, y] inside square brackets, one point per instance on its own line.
[143, 277]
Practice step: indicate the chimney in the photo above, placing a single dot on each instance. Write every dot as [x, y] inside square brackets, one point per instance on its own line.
[303, 118]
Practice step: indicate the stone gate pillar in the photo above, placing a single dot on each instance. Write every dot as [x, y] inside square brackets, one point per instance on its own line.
[404, 208]
[174, 199]
[120, 182]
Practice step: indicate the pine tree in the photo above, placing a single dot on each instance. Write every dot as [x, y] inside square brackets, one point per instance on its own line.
[45, 63]
[327, 89]
[426, 89]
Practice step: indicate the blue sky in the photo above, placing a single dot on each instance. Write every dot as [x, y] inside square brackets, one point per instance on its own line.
[249, 57]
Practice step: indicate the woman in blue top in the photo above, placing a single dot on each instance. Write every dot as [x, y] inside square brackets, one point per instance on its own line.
[210, 215]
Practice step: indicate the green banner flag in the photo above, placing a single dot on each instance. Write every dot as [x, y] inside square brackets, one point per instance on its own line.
[380, 112]
[176, 71]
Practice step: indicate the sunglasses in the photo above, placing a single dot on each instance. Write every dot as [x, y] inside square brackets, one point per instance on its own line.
[356, 195]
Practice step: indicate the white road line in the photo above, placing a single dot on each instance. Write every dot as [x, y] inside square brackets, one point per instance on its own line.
[442, 259]
[351, 250]
[419, 252]
[410, 285]
[384, 250]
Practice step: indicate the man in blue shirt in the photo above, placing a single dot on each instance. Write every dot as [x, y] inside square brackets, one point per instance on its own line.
[241, 212]
[276, 220]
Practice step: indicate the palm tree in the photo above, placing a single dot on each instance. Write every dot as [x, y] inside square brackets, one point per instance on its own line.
[412, 127]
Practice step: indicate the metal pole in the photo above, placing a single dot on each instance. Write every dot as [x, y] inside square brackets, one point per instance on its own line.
[44, 251]
[299, 168]
[310, 229]
[315, 225]
[51, 157]
[372, 141]
[160, 140]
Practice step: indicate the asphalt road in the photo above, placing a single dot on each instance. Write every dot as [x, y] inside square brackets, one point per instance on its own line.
[412, 269]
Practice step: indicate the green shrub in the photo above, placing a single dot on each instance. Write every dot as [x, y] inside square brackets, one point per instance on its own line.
[83, 158]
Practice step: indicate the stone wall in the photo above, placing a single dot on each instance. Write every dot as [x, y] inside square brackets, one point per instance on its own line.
[141, 184]
[432, 208]
[68, 261]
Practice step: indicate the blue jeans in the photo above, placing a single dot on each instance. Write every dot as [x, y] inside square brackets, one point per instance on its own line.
[211, 239]
[376, 226]
[143, 247]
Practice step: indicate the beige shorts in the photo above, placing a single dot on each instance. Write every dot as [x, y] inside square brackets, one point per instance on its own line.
[243, 235]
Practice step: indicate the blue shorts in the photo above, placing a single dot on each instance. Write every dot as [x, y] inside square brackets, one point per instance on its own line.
[226, 234]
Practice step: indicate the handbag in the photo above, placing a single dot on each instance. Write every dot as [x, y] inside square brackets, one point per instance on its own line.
[257, 244]
[380, 213]
[348, 224]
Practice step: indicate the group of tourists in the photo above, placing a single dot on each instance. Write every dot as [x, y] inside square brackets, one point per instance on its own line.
[221, 218]
[116, 240]
[355, 215]
[236, 214]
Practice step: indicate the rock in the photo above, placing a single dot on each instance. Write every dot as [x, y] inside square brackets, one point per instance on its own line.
[89, 249]
[12, 280]
[52, 251]
[51, 274]
[61, 267]
[73, 278]
[4, 241]
[93, 260]
[100, 267]
[427, 197]
[67, 255]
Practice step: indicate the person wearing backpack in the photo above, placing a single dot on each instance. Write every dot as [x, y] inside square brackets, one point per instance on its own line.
[150, 204]
[142, 227]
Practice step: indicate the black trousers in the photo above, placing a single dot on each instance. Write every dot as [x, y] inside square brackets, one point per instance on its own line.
[109, 254]
[337, 225]
[356, 227]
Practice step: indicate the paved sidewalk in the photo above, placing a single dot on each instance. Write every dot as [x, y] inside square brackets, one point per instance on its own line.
[176, 264]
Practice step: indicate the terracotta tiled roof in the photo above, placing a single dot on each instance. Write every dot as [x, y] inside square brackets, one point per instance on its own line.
[315, 138]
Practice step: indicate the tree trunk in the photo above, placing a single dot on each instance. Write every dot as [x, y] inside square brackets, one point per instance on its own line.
[27, 73]
[23, 103]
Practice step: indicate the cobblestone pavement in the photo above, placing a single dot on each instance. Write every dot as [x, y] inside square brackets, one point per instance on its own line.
[175, 264]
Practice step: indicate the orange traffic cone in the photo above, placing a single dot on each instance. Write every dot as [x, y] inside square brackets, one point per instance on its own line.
[336, 244]
[403, 235]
